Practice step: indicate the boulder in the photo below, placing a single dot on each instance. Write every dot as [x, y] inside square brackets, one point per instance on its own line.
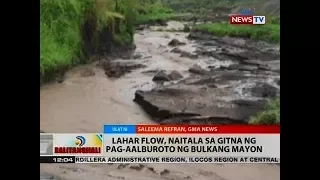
[161, 76]
[175, 42]
[175, 75]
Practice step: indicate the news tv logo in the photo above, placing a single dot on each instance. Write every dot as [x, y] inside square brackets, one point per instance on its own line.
[244, 19]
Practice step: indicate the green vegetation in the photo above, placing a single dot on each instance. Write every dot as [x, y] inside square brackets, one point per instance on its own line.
[220, 9]
[195, 6]
[268, 32]
[60, 39]
[207, 7]
[154, 13]
[275, 20]
[73, 30]
[270, 116]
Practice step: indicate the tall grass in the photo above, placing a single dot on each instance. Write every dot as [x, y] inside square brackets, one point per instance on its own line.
[60, 40]
[268, 32]
[154, 13]
[271, 115]
[61, 27]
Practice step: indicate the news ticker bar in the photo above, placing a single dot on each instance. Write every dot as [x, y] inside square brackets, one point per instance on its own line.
[164, 141]
[102, 160]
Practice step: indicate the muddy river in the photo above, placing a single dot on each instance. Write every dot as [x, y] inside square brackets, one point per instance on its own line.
[87, 99]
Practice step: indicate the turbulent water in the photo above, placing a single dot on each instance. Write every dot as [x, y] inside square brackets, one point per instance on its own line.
[84, 102]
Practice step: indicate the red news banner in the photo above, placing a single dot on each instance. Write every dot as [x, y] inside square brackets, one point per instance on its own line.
[207, 129]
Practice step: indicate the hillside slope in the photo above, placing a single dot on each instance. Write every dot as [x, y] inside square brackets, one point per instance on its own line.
[269, 7]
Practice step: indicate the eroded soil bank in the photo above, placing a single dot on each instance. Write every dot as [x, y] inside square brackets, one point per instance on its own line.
[196, 79]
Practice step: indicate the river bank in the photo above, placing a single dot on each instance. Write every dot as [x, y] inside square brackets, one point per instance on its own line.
[230, 72]
[94, 28]
[79, 32]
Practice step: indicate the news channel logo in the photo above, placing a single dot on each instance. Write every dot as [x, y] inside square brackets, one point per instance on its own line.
[78, 140]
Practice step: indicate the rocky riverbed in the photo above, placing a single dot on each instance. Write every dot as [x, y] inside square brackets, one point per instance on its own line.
[228, 79]
[175, 77]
